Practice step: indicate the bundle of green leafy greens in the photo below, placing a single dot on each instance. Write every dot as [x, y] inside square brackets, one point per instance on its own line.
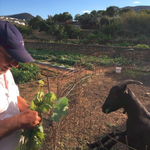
[43, 102]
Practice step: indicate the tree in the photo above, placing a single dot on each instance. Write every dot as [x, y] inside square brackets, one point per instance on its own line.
[112, 11]
[84, 20]
[66, 16]
[101, 12]
[35, 22]
[72, 31]
[56, 30]
[55, 17]
[77, 17]
[104, 21]
[50, 21]
[89, 21]
[94, 13]
[146, 11]
[62, 17]
[44, 26]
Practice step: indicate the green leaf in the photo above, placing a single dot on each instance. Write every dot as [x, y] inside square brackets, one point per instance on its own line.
[34, 137]
[40, 135]
[32, 105]
[40, 95]
[60, 109]
[45, 106]
[38, 109]
[50, 97]
[38, 98]
[39, 128]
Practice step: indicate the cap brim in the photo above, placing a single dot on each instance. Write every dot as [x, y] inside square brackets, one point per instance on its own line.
[20, 55]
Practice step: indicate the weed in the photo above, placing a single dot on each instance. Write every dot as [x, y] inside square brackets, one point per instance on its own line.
[142, 46]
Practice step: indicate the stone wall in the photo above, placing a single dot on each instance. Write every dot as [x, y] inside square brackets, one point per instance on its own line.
[96, 50]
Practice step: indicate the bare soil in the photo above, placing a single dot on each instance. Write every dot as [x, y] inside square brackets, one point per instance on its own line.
[85, 122]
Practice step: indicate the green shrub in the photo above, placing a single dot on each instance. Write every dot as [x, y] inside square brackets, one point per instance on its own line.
[105, 21]
[89, 66]
[72, 32]
[25, 72]
[136, 22]
[112, 29]
[92, 36]
[103, 38]
[24, 29]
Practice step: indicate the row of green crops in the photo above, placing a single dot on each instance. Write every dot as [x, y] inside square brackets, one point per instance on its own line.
[60, 57]
[126, 44]
[30, 71]
[70, 59]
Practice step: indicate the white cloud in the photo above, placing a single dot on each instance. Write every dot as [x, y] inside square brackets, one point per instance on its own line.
[86, 11]
[136, 2]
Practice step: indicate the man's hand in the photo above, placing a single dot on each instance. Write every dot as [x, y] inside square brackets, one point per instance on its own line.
[28, 119]
[22, 104]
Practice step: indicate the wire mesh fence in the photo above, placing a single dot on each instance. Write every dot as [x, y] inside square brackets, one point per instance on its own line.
[85, 122]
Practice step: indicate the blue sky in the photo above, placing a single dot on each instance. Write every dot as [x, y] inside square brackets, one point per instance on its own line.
[52, 7]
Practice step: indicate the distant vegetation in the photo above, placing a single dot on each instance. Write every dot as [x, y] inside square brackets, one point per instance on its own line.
[113, 26]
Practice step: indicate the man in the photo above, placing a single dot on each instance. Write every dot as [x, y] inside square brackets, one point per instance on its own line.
[14, 111]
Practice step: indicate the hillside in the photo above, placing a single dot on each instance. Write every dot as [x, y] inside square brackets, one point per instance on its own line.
[22, 16]
[137, 8]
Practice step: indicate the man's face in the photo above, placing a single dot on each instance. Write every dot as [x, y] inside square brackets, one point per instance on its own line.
[6, 61]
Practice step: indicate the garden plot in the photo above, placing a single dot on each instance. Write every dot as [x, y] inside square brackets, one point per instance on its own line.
[86, 91]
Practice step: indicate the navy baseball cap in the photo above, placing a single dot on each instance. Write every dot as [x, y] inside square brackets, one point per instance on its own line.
[12, 40]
